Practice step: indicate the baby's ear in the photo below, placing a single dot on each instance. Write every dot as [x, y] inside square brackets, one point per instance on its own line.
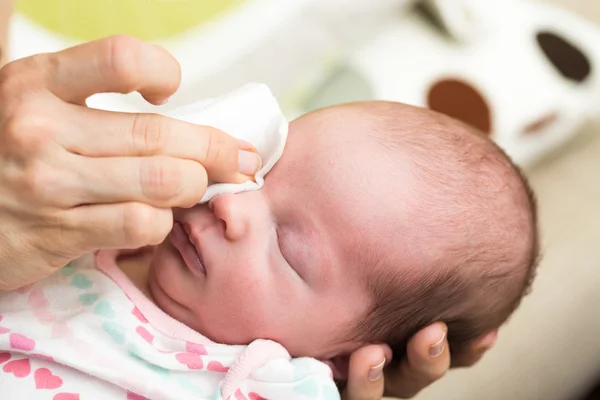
[339, 366]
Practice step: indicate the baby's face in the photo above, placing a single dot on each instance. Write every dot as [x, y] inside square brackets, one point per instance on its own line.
[288, 262]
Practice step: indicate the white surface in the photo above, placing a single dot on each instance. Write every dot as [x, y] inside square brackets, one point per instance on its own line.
[503, 61]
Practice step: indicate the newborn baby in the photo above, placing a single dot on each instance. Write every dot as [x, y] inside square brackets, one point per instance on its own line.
[378, 220]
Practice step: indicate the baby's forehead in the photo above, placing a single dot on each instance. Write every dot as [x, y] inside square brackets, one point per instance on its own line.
[340, 153]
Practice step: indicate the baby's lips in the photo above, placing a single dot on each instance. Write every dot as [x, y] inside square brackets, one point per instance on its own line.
[249, 161]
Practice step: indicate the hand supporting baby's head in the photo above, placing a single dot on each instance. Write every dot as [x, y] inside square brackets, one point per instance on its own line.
[379, 219]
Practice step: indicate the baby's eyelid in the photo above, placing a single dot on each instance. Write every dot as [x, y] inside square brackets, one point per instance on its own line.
[277, 233]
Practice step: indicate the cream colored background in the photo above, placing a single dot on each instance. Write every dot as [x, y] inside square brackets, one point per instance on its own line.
[550, 350]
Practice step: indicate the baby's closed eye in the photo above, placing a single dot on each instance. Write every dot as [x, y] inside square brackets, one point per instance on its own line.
[288, 253]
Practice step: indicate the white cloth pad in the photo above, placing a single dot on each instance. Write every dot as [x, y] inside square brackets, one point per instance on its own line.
[250, 113]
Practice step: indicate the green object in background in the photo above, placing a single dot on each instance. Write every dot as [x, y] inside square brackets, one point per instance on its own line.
[343, 85]
[145, 19]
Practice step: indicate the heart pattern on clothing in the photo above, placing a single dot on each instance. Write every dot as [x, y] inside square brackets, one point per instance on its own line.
[115, 331]
[215, 366]
[61, 329]
[20, 342]
[81, 281]
[44, 379]
[255, 396]
[195, 348]
[19, 368]
[66, 396]
[239, 395]
[44, 315]
[138, 314]
[37, 299]
[143, 332]
[191, 360]
[104, 309]
[4, 357]
[135, 396]
[87, 299]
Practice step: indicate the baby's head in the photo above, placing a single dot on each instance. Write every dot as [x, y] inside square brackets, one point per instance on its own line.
[378, 220]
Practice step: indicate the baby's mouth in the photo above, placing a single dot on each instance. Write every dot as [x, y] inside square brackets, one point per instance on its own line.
[182, 240]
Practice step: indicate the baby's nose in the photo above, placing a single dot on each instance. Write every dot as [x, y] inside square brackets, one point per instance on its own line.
[231, 211]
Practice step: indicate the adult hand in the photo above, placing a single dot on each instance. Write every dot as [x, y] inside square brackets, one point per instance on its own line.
[75, 179]
[427, 360]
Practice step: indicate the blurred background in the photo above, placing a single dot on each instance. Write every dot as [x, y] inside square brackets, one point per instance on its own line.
[525, 72]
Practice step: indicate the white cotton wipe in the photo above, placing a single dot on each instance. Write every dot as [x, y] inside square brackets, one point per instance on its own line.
[250, 113]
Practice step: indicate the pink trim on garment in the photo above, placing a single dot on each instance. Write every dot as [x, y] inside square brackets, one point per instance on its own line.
[168, 326]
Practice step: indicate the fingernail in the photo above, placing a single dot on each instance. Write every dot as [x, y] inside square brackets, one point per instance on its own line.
[163, 102]
[242, 144]
[437, 349]
[376, 372]
[248, 162]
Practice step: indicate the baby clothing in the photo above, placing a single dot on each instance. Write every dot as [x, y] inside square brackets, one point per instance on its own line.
[86, 332]
[250, 113]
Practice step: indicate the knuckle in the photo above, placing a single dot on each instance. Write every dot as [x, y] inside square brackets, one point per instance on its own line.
[36, 62]
[148, 133]
[24, 65]
[196, 190]
[136, 220]
[215, 146]
[122, 60]
[12, 83]
[161, 178]
[27, 129]
[20, 78]
[9, 78]
[10, 69]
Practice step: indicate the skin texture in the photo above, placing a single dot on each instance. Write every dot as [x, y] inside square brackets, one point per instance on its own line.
[280, 261]
[54, 206]
[277, 259]
[51, 216]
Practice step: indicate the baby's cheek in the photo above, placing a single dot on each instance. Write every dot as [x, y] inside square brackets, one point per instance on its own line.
[239, 311]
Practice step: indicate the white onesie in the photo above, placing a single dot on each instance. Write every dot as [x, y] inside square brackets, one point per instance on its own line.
[87, 332]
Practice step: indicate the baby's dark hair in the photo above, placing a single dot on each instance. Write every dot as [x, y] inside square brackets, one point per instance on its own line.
[478, 235]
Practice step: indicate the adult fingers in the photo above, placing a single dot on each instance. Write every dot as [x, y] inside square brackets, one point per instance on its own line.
[97, 133]
[427, 360]
[158, 181]
[117, 64]
[365, 374]
[111, 226]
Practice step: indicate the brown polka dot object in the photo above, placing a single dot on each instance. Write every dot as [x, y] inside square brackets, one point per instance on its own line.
[570, 61]
[462, 101]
